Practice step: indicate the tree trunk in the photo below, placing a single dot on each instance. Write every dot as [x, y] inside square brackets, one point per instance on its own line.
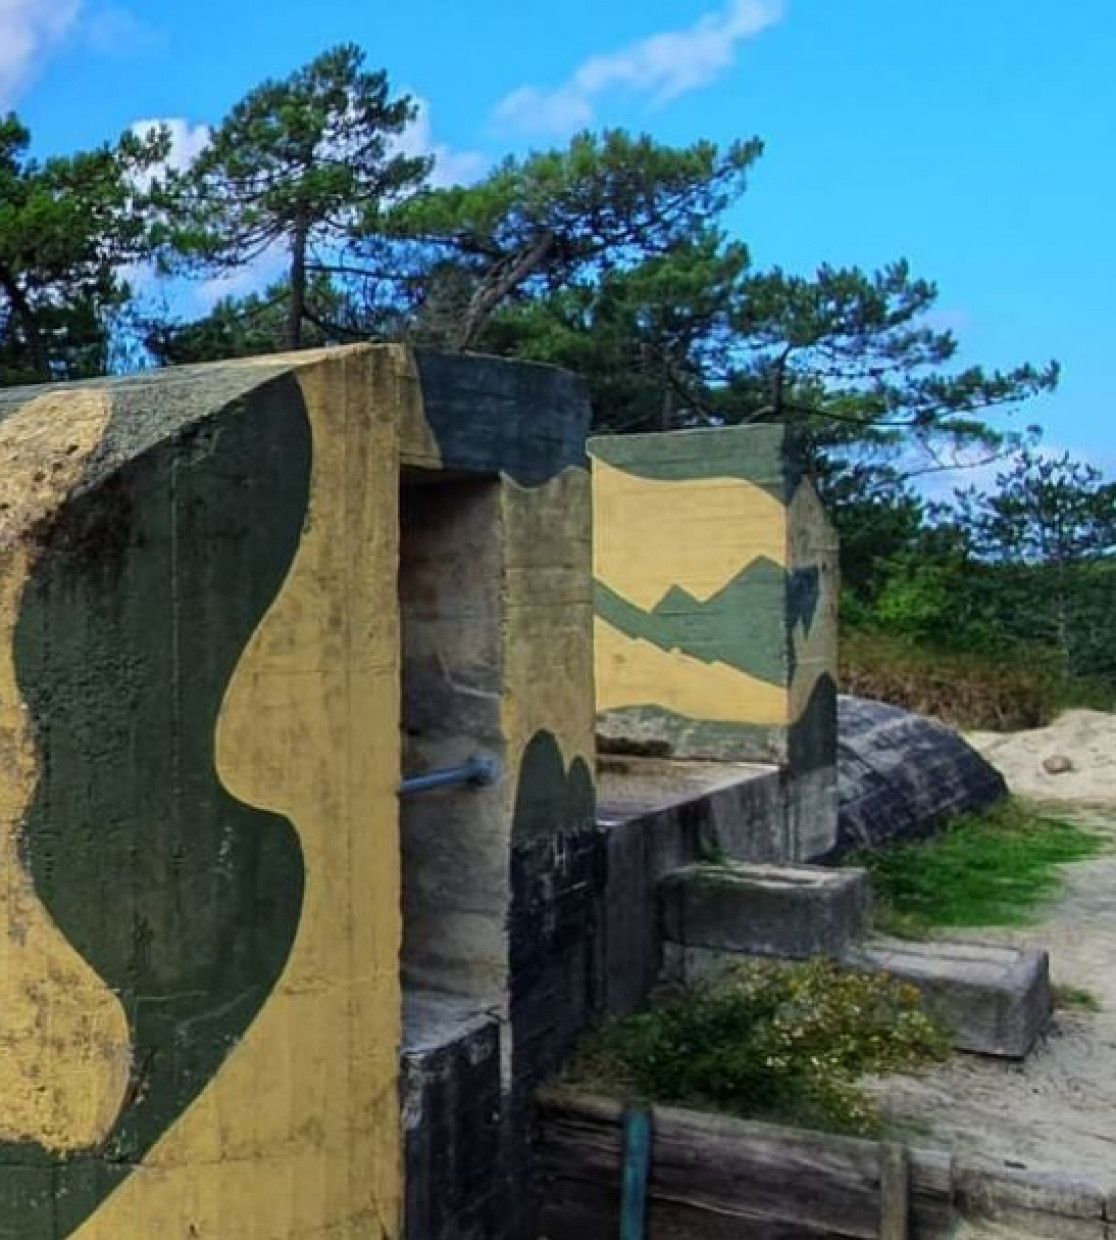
[298, 288]
[506, 277]
[666, 409]
[25, 316]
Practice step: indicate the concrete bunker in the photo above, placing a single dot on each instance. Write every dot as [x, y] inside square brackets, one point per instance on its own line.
[368, 987]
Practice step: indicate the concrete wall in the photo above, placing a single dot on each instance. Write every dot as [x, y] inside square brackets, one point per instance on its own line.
[716, 608]
[202, 666]
[200, 997]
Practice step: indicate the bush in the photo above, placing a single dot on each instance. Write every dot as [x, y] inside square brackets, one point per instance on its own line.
[767, 1041]
[999, 692]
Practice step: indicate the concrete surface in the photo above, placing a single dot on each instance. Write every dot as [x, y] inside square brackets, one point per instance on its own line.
[994, 1000]
[793, 912]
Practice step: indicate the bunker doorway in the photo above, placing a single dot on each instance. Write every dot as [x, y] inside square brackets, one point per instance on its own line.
[454, 836]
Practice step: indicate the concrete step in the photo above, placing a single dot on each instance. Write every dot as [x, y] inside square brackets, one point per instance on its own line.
[794, 912]
[994, 1000]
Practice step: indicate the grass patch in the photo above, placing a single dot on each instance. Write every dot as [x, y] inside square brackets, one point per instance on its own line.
[1076, 998]
[991, 869]
[787, 1043]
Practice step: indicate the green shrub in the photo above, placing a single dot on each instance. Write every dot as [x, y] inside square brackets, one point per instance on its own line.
[1000, 692]
[767, 1041]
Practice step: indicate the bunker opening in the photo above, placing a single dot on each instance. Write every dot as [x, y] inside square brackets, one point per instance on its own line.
[453, 830]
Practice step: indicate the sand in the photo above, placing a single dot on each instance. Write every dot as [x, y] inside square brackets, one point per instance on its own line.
[1086, 737]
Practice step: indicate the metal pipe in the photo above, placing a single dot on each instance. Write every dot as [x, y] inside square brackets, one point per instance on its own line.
[635, 1175]
[479, 771]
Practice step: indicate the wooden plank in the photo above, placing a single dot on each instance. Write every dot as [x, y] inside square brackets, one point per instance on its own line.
[713, 1177]
[894, 1193]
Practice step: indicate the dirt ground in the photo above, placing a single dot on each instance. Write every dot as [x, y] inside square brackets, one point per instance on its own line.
[1055, 1113]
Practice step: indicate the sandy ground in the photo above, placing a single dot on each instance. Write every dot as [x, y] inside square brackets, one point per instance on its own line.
[1086, 737]
[1057, 1111]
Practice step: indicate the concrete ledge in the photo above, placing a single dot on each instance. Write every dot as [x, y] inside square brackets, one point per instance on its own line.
[994, 1000]
[793, 912]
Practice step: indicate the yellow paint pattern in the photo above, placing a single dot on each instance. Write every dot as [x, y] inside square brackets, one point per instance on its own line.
[632, 672]
[549, 679]
[299, 1133]
[652, 534]
[65, 1048]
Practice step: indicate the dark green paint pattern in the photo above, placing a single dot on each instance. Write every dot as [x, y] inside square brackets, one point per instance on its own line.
[804, 586]
[744, 625]
[756, 454]
[549, 800]
[183, 899]
[812, 743]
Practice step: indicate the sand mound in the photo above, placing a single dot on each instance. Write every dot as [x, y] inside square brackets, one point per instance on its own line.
[1086, 737]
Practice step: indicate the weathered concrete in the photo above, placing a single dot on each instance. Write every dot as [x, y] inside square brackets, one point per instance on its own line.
[217, 587]
[793, 912]
[654, 818]
[450, 1092]
[994, 1000]
[901, 776]
[718, 638]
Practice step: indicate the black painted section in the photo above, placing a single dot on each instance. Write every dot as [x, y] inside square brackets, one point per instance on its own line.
[557, 885]
[491, 416]
[455, 1183]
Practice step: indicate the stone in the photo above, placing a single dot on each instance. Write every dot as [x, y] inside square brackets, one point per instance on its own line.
[1057, 764]
[994, 1000]
[793, 912]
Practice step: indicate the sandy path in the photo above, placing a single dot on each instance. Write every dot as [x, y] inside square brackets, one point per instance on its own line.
[1057, 1110]
[1055, 1113]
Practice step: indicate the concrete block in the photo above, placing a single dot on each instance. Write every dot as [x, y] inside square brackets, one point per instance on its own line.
[793, 912]
[994, 1000]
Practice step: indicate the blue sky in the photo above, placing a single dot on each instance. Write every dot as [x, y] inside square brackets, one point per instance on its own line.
[974, 137]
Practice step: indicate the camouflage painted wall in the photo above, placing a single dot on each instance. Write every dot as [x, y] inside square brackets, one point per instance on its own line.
[716, 598]
[200, 707]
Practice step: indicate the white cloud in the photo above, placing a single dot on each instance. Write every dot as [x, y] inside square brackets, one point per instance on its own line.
[253, 277]
[29, 30]
[660, 67]
[187, 140]
[450, 167]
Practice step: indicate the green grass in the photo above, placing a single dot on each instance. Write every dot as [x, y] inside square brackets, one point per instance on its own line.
[787, 1043]
[992, 869]
[1076, 998]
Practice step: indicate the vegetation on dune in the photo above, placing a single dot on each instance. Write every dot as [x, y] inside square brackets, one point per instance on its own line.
[990, 869]
[995, 612]
[786, 1043]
